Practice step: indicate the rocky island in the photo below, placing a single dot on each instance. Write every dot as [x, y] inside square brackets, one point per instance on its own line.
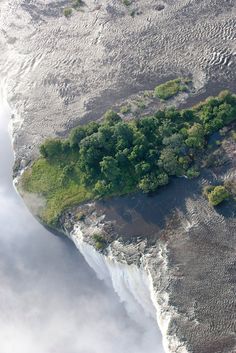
[146, 190]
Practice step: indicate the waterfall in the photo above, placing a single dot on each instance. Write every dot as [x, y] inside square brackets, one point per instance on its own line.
[134, 286]
[131, 283]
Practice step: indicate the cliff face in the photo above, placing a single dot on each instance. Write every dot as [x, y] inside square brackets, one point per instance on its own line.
[172, 252]
[133, 283]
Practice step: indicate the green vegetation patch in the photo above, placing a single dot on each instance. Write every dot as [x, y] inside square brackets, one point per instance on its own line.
[171, 88]
[61, 189]
[67, 12]
[116, 157]
[125, 109]
[100, 242]
[126, 2]
[216, 194]
[76, 5]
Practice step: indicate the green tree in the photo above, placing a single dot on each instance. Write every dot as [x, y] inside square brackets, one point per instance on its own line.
[109, 168]
[76, 136]
[91, 128]
[195, 136]
[187, 115]
[102, 188]
[147, 124]
[162, 179]
[148, 183]
[106, 139]
[123, 134]
[168, 161]
[192, 172]
[51, 148]
[142, 168]
[111, 117]
[227, 97]
[227, 113]
[218, 195]
[175, 141]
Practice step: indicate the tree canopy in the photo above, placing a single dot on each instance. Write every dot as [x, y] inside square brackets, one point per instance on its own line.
[113, 156]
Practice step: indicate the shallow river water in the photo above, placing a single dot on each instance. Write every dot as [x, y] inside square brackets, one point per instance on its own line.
[50, 300]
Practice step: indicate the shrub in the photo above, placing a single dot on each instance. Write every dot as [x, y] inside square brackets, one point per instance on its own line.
[169, 89]
[51, 148]
[132, 13]
[100, 242]
[141, 104]
[125, 109]
[148, 94]
[111, 117]
[77, 4]
[67, 12]
[192, 173]
[218, 195]
[76, 135]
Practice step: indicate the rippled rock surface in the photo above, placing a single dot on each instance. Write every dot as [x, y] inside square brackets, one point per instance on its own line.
[58, 71]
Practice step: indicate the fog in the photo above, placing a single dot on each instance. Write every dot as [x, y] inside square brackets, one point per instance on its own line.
[50, 300]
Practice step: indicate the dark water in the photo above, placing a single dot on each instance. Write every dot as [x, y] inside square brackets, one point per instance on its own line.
[50, 300]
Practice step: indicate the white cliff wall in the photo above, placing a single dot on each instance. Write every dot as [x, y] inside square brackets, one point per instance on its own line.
[134, 286]
[130, 283]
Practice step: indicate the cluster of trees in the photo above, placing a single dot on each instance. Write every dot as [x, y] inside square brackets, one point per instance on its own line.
[114, 156]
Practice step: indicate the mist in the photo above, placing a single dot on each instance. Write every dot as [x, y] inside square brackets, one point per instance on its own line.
[50, 300]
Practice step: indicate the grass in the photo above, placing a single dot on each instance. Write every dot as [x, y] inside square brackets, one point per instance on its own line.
[48, 180]
[170, 89]
[60, 191]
